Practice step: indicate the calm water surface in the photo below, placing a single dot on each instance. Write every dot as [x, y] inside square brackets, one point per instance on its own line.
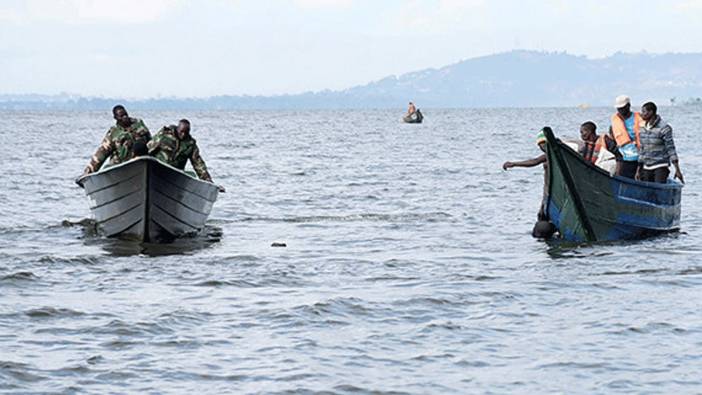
[409, 267]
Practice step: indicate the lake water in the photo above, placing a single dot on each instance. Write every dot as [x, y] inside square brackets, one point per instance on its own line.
[409, 265]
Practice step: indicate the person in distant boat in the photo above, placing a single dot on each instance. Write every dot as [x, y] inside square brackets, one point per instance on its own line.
[119, 141]
[174, 146]
[593, 145]
[657, 148]
[539, 160]
[411, 109]
[625, 130]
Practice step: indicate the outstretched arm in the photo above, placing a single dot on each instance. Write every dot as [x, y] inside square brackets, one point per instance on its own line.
[199, 165]
[525, 163]
[101, 154]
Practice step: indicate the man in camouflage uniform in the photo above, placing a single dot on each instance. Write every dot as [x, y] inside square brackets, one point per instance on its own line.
[119, 140]
[174, 146]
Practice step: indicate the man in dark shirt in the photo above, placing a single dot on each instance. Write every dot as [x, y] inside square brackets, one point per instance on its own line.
[657, 148]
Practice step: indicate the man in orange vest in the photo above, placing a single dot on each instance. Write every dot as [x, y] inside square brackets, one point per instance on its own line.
[625, 132]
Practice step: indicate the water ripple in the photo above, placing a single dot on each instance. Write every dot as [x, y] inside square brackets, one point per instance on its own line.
[408, 267]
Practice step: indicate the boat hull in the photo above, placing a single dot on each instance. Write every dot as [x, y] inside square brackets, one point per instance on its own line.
[146, 200]
[417, 117]
[585, 203]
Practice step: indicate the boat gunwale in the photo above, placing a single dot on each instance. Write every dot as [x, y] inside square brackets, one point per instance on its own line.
[647, 184]
[81, 180]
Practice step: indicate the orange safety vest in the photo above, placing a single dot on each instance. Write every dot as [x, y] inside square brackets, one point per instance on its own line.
[621, 136]
[598, 146]
[591, 156]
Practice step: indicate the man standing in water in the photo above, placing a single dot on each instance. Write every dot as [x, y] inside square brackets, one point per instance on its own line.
[539, 160]
[543, 228]
[625, 130]
[119, 141]
[174, 146]
[411, 109]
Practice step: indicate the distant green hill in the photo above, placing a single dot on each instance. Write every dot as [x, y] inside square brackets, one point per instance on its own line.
[510, 79]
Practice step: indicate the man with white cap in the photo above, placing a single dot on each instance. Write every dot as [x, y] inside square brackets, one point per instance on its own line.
[625, 131]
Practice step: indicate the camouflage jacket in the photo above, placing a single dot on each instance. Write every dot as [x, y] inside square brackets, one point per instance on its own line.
[117, 144]
[168, 148]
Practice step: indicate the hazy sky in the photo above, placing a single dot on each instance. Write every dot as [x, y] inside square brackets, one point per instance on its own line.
[147, 48]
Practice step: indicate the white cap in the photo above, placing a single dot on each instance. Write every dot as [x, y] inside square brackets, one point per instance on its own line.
[621, 101]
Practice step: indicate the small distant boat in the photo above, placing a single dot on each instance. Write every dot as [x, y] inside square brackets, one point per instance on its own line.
[587, 204]
[147, 200]
[416, 117]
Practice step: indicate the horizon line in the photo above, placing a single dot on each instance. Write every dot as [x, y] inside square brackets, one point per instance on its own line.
[328, 90]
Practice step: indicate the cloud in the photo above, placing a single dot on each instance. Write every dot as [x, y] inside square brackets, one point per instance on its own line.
[459, 5]
[323, 3]
[689, 5]
[88, 11]
[441, 16]
[9, 15]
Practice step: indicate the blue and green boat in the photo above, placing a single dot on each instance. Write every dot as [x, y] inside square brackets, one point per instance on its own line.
[586, 204]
